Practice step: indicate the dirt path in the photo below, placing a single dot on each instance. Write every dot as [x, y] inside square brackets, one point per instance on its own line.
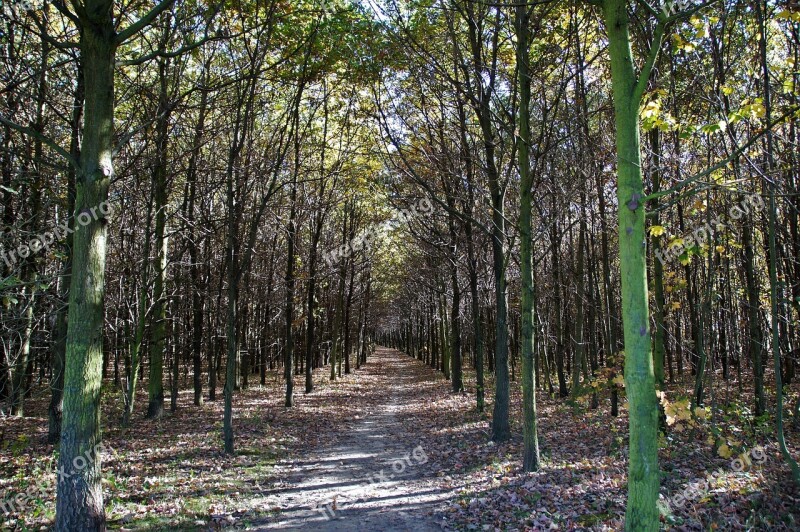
[377, 476]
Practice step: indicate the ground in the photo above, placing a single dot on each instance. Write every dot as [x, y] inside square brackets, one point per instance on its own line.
[390, 447]
[376, 475]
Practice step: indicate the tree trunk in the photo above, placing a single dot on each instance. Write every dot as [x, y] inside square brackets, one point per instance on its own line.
[79, 503]
[660, 336]
[555, 247]
[54, 412]
[643, 474]
[195, 276]
[530, 459]
[141, 321]
[290, 284]
[158, 344]
[775, 290]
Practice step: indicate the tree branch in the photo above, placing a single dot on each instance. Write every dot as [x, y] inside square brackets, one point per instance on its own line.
[664, 20]
[143, 22]
[38, 136]
[650, 62]
[162, 53]
[62, 8]
[649, 8]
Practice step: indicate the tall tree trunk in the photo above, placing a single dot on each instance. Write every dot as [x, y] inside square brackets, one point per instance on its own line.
[455, 313]
[609, 298]
[55, 409]
[79, 504]
[232, 317]
[265, 335]
[643, 474]
[755, 337]
[233, 258]
[230, 329]
[660, 334]
[339, 307]
[580, 342]
[555, 248]
[158, 345]
[444, 333]
[311, 302]
[141, 322]
[348, 309]
[455, 333]
[775, 289]
[30, 265]
[290, 280]
[530, 458]
[195, 275]
[482, 96]
[472, 259]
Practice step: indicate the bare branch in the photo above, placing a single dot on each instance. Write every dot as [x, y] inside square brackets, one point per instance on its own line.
[143, 22]
[38, 136]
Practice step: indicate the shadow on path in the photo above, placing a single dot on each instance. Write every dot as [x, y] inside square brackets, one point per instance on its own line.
[376, 477]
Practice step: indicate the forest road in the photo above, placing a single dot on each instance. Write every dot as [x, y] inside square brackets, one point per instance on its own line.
[376, 477]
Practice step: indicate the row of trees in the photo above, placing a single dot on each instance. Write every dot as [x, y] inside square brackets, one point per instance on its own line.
[232, 150]
[506, 115]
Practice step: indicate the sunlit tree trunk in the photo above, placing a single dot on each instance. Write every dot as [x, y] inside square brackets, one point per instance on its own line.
[643, 474]
[79, 504]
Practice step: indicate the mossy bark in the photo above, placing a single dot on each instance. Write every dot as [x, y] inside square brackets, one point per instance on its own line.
[643, 476]
[79, 504]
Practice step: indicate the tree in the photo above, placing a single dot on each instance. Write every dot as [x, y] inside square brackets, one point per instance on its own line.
[530, 459]
[628, 88]
[80, 499]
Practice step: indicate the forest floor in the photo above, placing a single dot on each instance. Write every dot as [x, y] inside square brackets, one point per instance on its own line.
[376, 474]
[391, 447]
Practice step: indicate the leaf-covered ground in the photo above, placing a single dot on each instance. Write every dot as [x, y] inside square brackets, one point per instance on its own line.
[390, 447]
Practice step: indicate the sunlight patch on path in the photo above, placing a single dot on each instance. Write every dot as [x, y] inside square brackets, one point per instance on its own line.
[376, 478]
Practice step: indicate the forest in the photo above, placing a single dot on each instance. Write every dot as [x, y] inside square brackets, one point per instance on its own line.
[399, 265]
